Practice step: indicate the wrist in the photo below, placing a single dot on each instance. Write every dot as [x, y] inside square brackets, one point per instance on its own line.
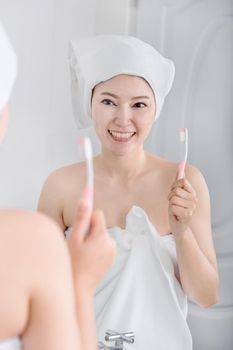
[182, 235]
[83, 289]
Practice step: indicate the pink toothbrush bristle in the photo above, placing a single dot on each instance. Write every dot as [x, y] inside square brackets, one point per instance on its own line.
[81, 141]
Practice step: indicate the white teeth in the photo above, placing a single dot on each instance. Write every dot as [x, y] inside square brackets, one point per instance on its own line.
[121, 135]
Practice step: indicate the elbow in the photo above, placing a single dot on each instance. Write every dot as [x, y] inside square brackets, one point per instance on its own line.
[209, 302]
[206, 301]
[211, 298]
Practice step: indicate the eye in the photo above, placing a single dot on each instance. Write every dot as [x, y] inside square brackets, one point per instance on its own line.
[140, 105]
[107, 102]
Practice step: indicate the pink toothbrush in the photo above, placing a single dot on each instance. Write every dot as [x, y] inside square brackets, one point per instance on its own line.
[183, 134]
[89, 187]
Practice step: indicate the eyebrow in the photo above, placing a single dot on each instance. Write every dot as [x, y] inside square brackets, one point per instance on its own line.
[115, 96]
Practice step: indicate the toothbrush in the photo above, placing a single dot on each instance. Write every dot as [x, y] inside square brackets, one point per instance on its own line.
[183, 135]
[89, 187]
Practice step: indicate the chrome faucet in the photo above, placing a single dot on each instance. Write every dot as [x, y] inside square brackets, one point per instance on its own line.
[119, 338]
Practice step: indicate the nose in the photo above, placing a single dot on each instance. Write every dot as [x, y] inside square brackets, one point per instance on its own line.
[123, 116]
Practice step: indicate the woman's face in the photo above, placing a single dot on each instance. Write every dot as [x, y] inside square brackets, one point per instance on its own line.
[123, 110]
[4, 116]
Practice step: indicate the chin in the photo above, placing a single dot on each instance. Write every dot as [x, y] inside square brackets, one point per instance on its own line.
[122, 151]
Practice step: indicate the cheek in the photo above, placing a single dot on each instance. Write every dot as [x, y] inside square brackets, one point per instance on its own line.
[145, 120]
[95, 114]
[100, 116]
[144, 126]
[98, 122]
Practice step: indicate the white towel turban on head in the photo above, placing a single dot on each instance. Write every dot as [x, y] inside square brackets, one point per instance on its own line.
[8, 68]
[95, 59]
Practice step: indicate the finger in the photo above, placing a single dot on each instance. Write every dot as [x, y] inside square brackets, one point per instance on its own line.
[98, 223]
[188, 187]
[180, 202]
[185, 184]
[189, 202]
[172, 212]
[178, 183]
[179, 192]
[81, 221]
[181, 213]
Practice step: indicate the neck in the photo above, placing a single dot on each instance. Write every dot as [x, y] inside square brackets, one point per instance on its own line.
[122, 167]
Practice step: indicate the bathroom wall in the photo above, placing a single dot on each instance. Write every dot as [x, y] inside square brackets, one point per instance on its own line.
[42, 134]
[198, 36]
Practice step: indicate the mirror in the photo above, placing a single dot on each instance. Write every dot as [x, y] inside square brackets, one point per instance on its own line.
[42, 135]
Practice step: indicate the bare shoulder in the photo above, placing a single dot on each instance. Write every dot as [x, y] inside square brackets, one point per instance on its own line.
[32, 250]
[65, 176]
[165, 169]
[26, 237]
[170, 168]
[59, 186]
[167, 172]
[22, 224]
[196, 178]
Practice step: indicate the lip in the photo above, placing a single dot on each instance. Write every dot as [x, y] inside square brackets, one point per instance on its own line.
[122, 131]
[121, 140]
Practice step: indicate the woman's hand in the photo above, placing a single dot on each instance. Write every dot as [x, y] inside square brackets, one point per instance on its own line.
[182, 204]
[91, 248]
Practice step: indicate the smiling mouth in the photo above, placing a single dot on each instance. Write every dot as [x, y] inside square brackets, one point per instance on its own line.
[121, 136]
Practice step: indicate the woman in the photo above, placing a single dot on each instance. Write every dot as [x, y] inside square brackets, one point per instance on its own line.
[39, 289]
[162, 225]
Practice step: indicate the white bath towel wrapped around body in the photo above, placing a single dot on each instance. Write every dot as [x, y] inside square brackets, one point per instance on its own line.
[11, 344]
[140, 293]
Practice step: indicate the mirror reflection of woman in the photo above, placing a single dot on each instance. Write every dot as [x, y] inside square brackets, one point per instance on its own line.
[39, 289]
[162, 225]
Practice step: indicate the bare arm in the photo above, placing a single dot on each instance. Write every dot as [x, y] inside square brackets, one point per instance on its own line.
[189, 202]
[37, 293]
